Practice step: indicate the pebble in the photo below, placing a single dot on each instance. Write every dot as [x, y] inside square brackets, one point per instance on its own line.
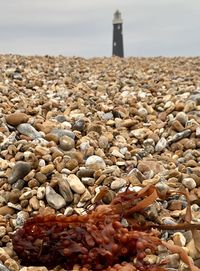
[182, 117]
[179, 239]
[11, 265]
[3, 267]
[41, 192]
[47, 169]
[65, 190]
[68, 211]
[95, 162]
[66, 143]
[16, 118]
[118, 183]
[5, 210]
[2, 231]
[75, 184]
[28, 130]
[189, 183]
[54, 199]
[19, 171]
[63, 132]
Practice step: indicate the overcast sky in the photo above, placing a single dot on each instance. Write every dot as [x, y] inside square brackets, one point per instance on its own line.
[84, 27]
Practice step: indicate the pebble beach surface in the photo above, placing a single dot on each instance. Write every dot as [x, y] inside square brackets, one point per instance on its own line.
[70, 126]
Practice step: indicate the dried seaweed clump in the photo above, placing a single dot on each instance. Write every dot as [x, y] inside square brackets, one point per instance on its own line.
[96, 241]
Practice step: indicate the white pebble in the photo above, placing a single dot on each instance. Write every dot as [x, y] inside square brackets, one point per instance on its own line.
[189, 183]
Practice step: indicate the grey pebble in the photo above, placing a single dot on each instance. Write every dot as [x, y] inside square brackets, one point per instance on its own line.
[54, 200]
[118, 183]
[3, 267]
[161, 145]
[62, 132]
[19, 184]
[65, 190]
[179, 136]
[19, 171]
[79, 125]
[28, 130]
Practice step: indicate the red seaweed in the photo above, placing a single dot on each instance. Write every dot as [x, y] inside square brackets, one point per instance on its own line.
[97, 240]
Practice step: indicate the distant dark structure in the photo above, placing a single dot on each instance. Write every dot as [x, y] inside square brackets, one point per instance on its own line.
[118, 49]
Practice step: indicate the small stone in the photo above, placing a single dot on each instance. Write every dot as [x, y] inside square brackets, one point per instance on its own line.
[176, 205]
[19, 184]
[198, 131]
[116, 153]
[40, 177]
[75, 155]
[142, 112]
[107, 116]
[19, 171]
[14, 195]
[182, 117]
[34, 203]
[68, 211]
[54, 199]
[140, 133]
[71, 164]
[16, 118]
[128, 123]
[103, 142]
[192, 250]
[79, 125]
[2, 231]
[28, 194]
[147, 166]
[11, 265]
[179, 239]
[28, 130]
[179, 136]
[88, 181]
[177, 126]
[118, 183]
[3, 255]
[21, 218]
[47, 169]
[41, 193]
[75, 184]
[95, 162]
[162, 188]
[85, 172]
[3, 267]
[5, 210]
[65, 190]
[173, 260]
[15, 206]
[189, 183]
[189, 106]
[108, 197]
[66, 143]
[62, 132]
[85, 196]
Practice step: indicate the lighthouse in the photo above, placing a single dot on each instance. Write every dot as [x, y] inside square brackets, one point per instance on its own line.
[118, 49]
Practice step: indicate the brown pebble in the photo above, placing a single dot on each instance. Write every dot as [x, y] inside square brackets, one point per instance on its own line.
[5, 210]
[40, 177]
[71, 164]
[14, 195]
[16, 118]
[47, 169]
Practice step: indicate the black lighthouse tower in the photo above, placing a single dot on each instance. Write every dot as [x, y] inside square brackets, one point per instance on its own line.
[118, 49]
